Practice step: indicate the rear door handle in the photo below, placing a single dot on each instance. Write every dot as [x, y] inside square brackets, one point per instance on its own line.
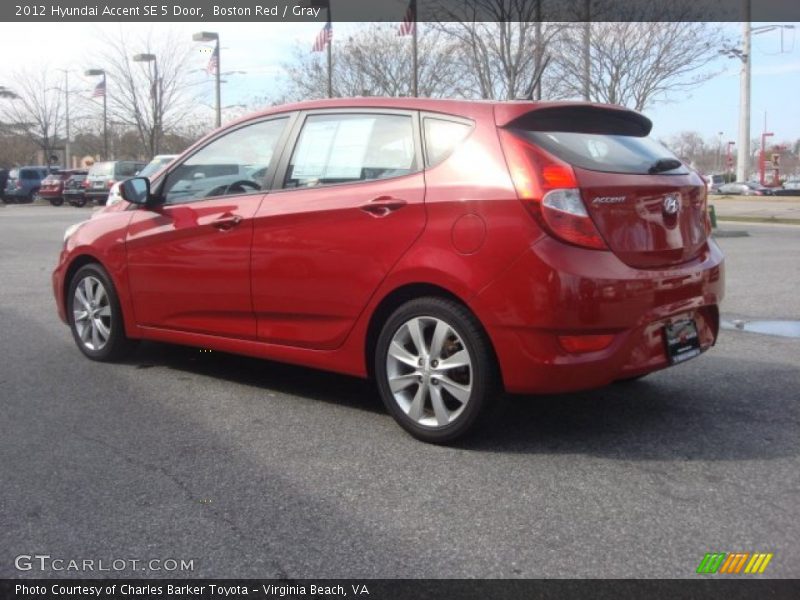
[227, 222]
[383, 206]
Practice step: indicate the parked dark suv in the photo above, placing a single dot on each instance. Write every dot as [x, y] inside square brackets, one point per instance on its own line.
[24, 183]
[103, 175]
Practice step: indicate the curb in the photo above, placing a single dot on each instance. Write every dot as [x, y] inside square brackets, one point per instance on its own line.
[772, 220]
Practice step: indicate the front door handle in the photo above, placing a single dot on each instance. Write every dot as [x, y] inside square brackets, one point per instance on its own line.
[383, 206]
[227, 222]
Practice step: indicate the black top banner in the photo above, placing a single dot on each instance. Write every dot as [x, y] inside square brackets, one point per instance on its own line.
[394, 10]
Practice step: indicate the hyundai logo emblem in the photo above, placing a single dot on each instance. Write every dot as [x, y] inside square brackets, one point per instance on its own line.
[672, 204]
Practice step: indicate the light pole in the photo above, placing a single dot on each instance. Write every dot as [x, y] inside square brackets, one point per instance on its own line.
[745, 55]
[211, 36]
[156, 93]
[68, 164]
[96, 73]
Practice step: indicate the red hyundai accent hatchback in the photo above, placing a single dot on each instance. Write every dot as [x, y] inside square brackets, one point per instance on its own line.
[447, 249]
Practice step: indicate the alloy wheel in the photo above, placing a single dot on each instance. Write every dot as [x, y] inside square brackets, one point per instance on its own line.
[91, 312]
[429, 371]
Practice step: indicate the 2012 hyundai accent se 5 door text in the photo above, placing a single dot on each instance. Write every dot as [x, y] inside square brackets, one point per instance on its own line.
[447, 249]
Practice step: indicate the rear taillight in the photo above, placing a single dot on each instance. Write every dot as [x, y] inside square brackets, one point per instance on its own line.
[111, 182]
[19, 185]
[85, 183]
[549, 190]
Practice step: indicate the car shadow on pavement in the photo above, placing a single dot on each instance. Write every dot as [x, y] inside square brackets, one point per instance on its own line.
[351, 392]
[677, 414]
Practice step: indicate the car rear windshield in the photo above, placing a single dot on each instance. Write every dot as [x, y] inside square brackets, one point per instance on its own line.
[608, 153]
[101, 169]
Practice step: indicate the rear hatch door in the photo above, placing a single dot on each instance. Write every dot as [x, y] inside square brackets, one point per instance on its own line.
[647, 205]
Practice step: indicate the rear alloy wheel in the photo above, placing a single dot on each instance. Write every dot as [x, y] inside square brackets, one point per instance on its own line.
[435, 369]
[95, 316]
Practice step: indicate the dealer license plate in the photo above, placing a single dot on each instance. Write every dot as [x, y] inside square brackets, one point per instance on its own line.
[682, 341]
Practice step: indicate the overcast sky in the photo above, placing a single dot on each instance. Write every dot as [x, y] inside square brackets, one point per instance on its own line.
[261, 49]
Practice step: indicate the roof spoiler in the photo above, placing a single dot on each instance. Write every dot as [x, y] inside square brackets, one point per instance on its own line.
[577, 118]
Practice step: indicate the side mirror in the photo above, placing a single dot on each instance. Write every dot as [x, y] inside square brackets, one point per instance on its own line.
[135, 190]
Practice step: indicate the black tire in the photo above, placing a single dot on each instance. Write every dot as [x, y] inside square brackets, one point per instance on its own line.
[56, 201]
[117, 345]
[32, 195]
[482, 374]
[78, 203]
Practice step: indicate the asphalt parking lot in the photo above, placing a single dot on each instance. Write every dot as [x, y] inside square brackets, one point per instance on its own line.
[254, 469]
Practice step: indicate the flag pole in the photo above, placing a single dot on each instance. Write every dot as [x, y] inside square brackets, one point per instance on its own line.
[105, 117]
[414, 48]
[330, 54]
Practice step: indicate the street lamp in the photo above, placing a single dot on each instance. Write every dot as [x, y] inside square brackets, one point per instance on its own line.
[155, 92]
[210, 36]
[97, 73]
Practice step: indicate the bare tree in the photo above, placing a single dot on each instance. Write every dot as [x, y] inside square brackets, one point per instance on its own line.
[637, 64]
[34, 108]
[133, 88]
[375, 62]
[503, 47]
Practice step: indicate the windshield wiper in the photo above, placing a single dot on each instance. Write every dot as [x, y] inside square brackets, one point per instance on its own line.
[664, 164]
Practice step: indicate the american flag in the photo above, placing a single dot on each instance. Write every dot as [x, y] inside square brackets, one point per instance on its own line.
[213, 62]
[409, 23]
[99, 90]
[323, 37]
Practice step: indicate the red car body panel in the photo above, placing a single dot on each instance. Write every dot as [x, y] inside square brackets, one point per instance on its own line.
[298, 284]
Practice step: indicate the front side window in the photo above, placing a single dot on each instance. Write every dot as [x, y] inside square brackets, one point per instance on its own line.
[235, 163]
[350, 148]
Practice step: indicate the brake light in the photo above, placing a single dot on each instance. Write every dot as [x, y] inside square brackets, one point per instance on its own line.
[111, 182]
[549, 190]
[19, 185]
[85, 183]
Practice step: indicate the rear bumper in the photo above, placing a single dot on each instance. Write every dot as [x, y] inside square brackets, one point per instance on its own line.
[556, 290]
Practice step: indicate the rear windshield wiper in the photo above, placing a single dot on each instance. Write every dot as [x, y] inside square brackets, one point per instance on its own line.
[664, 164]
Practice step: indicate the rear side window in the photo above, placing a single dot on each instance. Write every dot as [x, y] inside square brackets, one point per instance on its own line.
[608, 152]
[350, 148]
[441, 138]
[30, 174]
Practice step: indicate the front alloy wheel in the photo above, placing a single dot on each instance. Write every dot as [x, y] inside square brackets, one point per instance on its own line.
[95, 315]
[92, 313]
[434, 368]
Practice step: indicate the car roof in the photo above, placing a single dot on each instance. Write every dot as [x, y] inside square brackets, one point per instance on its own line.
[505, 111]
